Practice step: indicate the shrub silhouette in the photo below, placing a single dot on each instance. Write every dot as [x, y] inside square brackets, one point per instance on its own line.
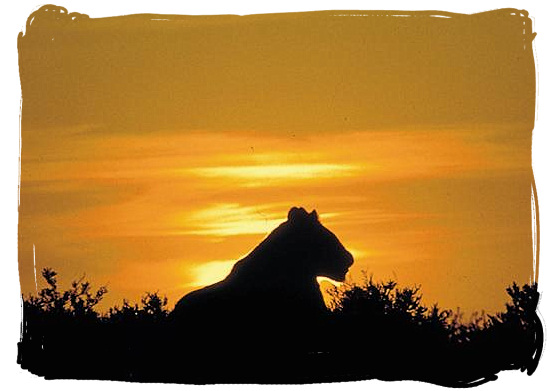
[396, 325]
[60, 325]
[57, 325]
[519, 313]
[520, 327]
[393, 325]
[395, 336]
[79, 301]
[153, 309]
[383, 304]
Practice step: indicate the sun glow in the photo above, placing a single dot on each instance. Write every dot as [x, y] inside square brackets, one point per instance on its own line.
[284, 172]
[211, 272]
[230, 219]
[322, 280]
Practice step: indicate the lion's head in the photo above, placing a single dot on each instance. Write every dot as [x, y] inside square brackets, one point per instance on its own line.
[307, 246]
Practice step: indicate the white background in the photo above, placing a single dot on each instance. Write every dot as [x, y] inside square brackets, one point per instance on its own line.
[13, 21]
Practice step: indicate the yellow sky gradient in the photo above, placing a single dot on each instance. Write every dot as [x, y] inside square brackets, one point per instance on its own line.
[154, 155]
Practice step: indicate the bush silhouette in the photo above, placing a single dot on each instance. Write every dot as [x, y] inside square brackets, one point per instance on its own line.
[395, 336]
[435, 344]
[153, 309]
[78, 301]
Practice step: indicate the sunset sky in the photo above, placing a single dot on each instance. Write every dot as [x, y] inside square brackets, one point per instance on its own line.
[158, 150]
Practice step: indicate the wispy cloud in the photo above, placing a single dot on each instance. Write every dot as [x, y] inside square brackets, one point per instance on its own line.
[258, 175]
[231, 219]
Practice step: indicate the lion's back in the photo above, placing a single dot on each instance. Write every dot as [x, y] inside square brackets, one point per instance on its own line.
[204, 301]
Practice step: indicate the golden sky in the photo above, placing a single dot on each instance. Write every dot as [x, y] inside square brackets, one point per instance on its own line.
[157, 152]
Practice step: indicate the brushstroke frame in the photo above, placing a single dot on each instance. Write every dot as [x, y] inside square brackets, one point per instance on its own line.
[76, 7]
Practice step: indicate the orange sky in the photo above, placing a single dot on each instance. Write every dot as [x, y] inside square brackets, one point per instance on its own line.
[155, 153]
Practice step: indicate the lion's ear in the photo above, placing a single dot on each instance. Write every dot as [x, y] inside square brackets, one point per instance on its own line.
[297, 214]
[313, 215]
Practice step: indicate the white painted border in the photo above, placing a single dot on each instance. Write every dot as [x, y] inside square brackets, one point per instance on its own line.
[13, 21]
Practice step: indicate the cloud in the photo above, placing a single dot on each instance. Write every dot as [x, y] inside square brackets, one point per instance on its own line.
[259, 175]
[232, 219]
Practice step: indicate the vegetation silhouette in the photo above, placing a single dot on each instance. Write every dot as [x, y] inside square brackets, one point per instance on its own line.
[267, 323]
[433, 344]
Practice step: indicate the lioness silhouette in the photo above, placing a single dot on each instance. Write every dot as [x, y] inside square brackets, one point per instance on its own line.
[276, 281]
